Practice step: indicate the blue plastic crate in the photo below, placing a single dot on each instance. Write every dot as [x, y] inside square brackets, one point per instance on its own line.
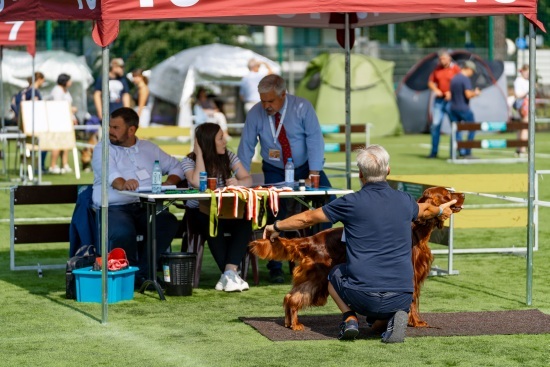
[120, 285]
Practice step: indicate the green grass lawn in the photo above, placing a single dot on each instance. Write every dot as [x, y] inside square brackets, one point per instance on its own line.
[39, 327]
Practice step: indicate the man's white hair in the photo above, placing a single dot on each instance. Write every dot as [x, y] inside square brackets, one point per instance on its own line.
[373, 162]
[272, 82]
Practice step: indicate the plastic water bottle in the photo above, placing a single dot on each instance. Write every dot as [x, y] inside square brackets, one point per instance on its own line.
[289, 172]
[156, 179]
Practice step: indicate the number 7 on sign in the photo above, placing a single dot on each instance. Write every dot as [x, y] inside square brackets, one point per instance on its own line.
[14, 30]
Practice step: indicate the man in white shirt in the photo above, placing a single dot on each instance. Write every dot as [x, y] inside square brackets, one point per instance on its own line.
[130, 165]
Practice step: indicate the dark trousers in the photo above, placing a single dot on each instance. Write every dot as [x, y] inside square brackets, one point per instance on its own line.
[374, 305]
[463, 117]
[126, 222]
[229, 246]
[272, 175]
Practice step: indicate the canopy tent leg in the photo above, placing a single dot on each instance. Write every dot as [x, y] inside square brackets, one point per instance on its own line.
[531, 164]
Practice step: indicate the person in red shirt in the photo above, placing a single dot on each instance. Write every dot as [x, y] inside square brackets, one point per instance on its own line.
[439, 82]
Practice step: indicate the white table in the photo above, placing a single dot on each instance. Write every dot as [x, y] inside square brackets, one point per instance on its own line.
[155, 204]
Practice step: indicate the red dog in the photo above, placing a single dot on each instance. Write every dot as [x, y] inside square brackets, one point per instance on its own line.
[316, 255]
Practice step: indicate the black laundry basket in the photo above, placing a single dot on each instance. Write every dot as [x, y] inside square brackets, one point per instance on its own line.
[179, 272]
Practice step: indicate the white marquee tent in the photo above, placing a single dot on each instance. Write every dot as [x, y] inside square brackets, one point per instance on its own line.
[174, 80]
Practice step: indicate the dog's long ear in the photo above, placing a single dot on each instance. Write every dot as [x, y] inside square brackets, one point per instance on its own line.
[266, 249]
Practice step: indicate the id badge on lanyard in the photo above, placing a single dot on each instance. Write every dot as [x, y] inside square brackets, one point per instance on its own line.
[274, 133]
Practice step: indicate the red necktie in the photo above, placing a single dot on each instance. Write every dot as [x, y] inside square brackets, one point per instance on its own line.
[285, 145]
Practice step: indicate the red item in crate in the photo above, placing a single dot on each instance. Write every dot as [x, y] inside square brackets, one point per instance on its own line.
[116, 260]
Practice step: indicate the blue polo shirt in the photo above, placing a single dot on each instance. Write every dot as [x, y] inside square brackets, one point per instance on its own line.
[459, 84]
[377, 224]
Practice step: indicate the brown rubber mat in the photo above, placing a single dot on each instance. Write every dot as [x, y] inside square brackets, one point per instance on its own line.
[325, 327]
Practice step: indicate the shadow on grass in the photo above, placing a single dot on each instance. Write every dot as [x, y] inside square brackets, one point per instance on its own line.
[476, 288]
[71, 307]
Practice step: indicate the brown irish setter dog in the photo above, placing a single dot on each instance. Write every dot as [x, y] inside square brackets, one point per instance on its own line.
[316, 255]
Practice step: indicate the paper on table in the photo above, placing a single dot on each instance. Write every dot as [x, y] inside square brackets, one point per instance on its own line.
[281, 184]
[149, 188]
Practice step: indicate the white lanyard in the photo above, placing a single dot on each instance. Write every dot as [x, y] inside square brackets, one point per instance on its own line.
[131, 153]
[272, 124]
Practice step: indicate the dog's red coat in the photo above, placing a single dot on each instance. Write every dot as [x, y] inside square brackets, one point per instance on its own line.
[316, 255]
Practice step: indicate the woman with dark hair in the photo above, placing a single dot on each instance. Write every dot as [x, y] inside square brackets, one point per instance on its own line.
[210, 155]
[141, 97]
[61, 93]
[205, 110]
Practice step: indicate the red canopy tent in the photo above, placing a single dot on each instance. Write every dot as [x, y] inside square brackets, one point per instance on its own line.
[305, 13]
[342, 15]
[290, 13]
[18, 34]
[15, 33]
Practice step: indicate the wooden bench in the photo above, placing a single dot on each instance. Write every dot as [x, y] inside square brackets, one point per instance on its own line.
[25, 231]
[486, 143]
[55, 231]
[341, 129]
[329, 130]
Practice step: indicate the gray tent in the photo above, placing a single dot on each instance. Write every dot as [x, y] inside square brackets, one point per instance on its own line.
[415, 99]
[174, 80]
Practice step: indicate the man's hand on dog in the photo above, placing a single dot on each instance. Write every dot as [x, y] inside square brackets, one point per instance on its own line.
[270, 232]
[447, 212]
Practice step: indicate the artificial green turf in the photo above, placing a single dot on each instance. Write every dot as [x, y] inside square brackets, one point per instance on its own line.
[39, 327]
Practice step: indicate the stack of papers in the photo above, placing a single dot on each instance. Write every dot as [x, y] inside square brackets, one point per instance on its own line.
[149, 188]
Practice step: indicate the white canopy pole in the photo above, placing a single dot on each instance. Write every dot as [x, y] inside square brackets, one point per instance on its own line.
[33, 153]
[531, 163]
[2, 90]
[348, 102]
[104, 238]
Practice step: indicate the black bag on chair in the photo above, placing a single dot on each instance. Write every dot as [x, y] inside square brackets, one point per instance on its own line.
[85, 256]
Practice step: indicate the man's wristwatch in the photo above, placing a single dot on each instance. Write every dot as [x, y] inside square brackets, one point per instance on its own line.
[275, 226]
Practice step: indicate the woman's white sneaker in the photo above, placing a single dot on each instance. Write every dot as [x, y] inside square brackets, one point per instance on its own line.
[233, 283]
[244, 285]
[220, 285]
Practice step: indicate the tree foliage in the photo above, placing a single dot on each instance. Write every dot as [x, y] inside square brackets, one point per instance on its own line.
[144, 44]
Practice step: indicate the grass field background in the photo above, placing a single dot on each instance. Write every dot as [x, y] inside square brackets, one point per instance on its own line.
[40, 327]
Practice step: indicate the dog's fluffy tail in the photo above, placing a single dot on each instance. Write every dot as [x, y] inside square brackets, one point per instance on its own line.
[266, 249]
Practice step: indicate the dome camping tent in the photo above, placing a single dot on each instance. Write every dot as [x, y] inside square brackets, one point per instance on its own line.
[415, 99]
[371, 92]
[174, 80]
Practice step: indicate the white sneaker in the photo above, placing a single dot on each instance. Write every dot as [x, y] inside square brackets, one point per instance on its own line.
[54, 170]
[220, 285]
[233, 283]
[244, 285]
[66, 169]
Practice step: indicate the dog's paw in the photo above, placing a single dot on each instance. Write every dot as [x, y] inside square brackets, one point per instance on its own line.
[297, 327]
[418, 324]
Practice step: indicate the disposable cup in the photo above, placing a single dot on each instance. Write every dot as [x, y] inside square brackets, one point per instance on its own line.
[314, 181]
[212, 183]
